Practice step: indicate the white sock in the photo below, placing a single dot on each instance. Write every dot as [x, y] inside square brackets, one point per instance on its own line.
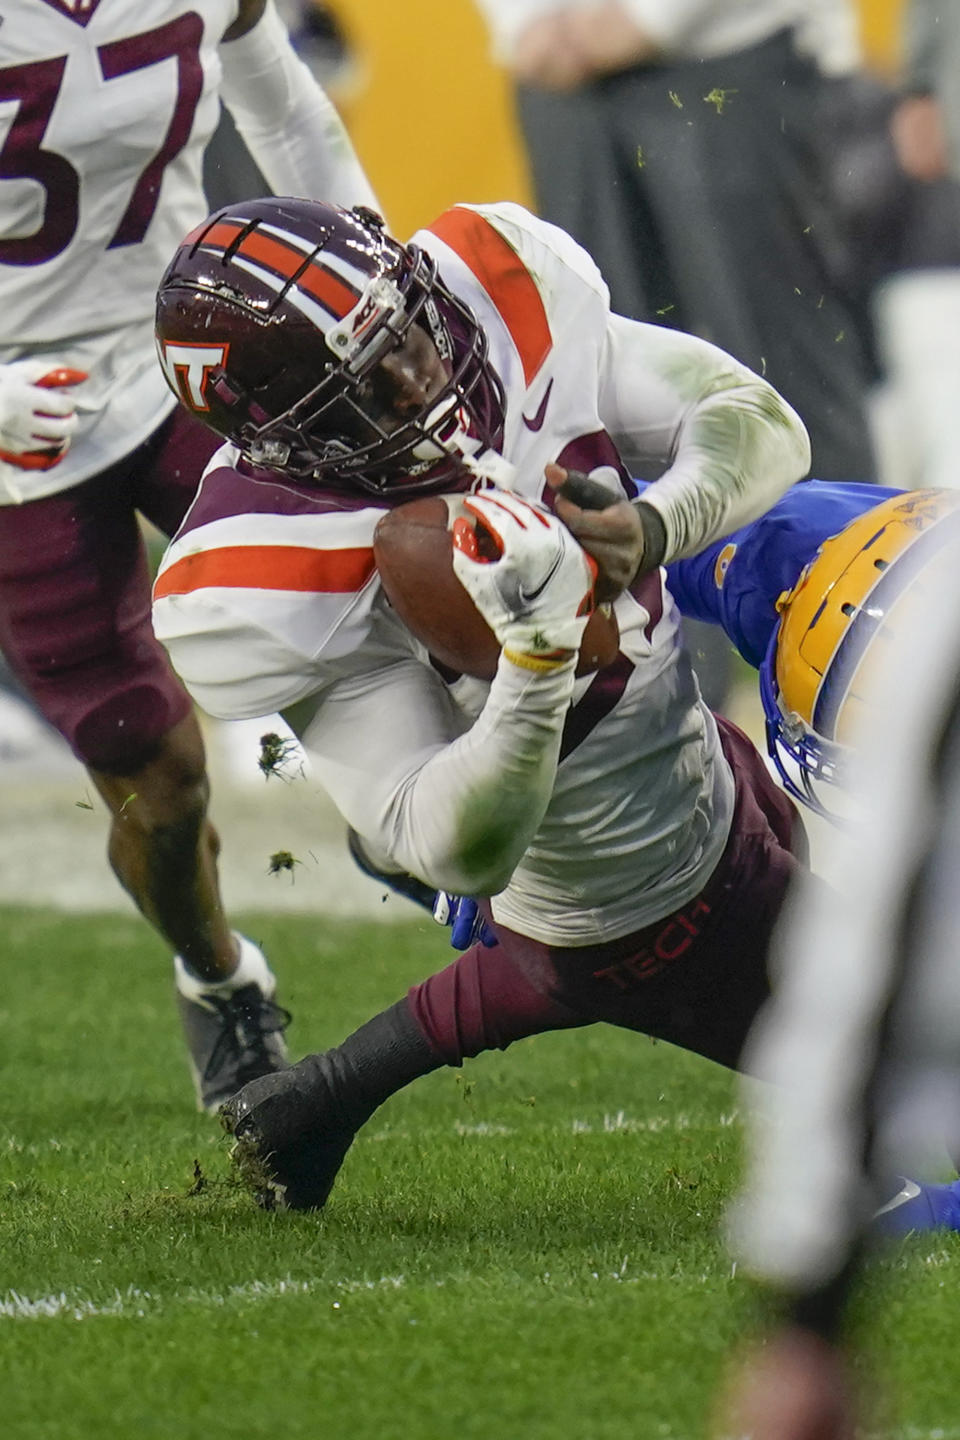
[252, 968]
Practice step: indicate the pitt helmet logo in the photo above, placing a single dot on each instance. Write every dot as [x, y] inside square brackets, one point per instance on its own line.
[188, 369]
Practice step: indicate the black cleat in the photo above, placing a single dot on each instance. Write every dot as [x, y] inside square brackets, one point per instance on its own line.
[290, 1135]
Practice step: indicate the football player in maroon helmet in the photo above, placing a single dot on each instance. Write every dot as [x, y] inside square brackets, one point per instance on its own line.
[327, 351]
[94, 203]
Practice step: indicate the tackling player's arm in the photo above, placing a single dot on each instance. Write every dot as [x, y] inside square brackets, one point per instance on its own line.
[731, 444]
[737, 581]
[290, 126]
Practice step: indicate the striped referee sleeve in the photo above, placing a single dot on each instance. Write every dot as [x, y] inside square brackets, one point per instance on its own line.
[861, 1042]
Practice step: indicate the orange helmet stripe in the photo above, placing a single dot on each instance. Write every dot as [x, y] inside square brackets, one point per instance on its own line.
[217, 237]
[286, 261]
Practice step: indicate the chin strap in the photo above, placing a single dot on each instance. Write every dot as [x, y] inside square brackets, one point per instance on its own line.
[489, 468]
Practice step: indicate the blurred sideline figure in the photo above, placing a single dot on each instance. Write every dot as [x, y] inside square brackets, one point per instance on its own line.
[107, 111]
[680, 145]
[320, 40]
[676, 143]
[862, 1042]
[918, 308]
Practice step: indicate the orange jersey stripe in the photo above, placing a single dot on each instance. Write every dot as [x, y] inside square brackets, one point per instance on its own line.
[268, 567]
[505, 278]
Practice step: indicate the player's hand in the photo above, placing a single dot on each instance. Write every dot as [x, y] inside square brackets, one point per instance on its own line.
[37, 420]
[569, 46]
[527, 575]
[608, 38]
[613, 536]
[545, 56]
[919, 134]
[467, 925]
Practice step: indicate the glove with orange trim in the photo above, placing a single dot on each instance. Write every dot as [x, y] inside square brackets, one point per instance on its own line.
[527, 576]
[37, 420]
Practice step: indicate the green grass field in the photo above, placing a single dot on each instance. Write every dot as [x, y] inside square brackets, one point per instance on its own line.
[528, 1248]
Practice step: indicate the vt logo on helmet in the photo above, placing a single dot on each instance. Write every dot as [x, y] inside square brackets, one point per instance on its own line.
[188, 369]
[325, 350]
[835, 626]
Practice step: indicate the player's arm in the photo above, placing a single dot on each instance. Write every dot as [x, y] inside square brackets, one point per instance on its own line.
[730, 445]
[432, 797]
[458, 807]
[736, 581]
[290, 126]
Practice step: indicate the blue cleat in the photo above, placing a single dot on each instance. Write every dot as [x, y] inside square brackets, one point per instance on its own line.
[917, 1207]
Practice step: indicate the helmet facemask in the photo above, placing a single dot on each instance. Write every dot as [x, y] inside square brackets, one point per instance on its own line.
[342, 430]
[803, 759]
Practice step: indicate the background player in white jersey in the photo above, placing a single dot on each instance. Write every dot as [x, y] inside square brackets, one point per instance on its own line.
[635, 848]
[106, 107]
[863, 1039]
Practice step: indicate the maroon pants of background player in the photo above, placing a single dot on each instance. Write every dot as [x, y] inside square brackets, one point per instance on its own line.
[695, 978]
[75, 599]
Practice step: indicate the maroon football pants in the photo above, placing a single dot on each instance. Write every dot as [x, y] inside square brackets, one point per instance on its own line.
[695, 978]
[75, 599]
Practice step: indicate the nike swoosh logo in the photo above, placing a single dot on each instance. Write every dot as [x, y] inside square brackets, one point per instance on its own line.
[537, 422]
[527, 596]
[910, 1191]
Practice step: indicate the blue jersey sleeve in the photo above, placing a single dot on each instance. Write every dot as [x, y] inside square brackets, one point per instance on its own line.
[737, 581]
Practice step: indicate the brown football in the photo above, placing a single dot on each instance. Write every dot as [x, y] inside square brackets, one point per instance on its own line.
[413, 549]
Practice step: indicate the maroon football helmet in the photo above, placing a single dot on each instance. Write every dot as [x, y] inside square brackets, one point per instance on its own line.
[272, 319]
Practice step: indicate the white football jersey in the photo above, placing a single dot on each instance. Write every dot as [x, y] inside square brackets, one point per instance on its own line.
[269, 594]
[107, 108]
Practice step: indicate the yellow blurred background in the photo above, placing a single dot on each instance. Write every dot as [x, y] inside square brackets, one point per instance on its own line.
[432, 116]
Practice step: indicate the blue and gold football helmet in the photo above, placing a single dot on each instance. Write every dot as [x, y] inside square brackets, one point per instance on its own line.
[836, 625]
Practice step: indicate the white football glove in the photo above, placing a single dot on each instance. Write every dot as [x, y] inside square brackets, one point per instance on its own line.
[36, 420]
[527, 575]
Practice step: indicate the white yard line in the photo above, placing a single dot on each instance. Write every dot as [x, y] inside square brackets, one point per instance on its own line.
[134, 1303]
[611, 1123]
